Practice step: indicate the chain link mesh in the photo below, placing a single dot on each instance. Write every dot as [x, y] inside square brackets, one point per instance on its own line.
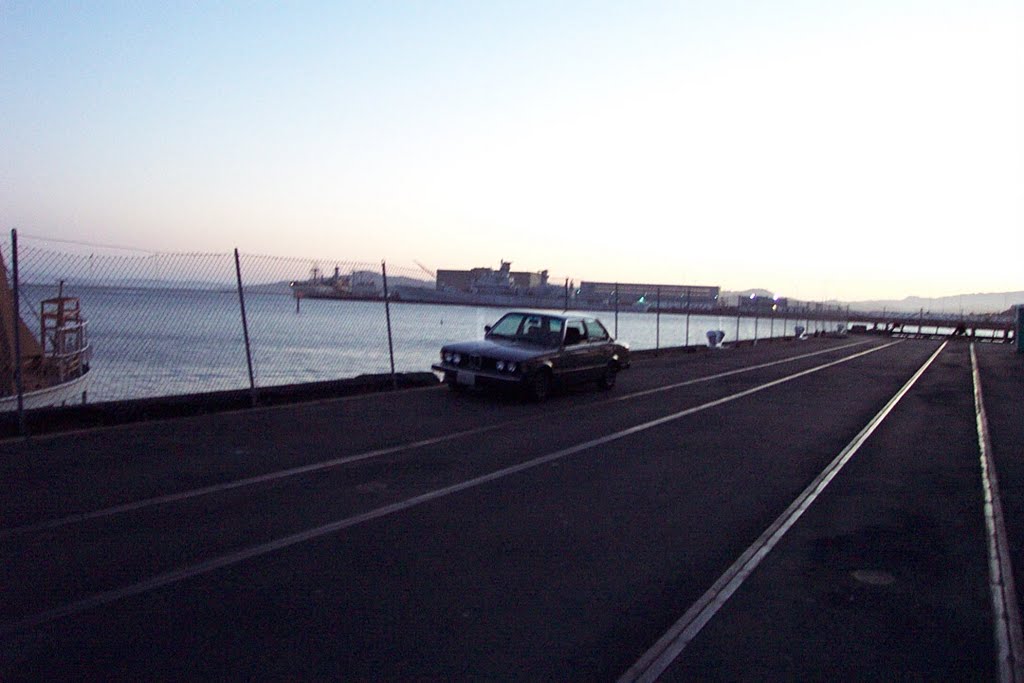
[162, 324]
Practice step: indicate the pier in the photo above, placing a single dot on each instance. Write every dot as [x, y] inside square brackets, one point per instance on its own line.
[802, 509]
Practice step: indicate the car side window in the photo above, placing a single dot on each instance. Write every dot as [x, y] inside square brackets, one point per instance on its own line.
[554, 332]
[575, 332]
[596, 331]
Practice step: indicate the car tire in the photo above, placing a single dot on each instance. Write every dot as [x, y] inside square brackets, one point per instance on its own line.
[538, 387]
[607, 380]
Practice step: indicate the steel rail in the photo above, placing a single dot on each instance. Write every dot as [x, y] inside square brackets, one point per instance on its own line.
[667, 649]
[197, 569]
[1006, 622]
[277, 475]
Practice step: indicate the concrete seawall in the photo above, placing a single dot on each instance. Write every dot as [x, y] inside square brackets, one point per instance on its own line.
[108, 413]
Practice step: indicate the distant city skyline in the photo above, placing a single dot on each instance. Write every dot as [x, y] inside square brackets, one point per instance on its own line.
[849, 151]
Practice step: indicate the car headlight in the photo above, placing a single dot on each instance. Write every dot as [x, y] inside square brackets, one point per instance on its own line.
[511, 366]
[500, 366]
[456, 358]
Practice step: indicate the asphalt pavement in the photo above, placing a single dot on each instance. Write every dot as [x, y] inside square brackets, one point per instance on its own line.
[427, 534]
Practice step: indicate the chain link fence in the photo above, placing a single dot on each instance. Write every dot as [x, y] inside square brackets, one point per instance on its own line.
[165, 324]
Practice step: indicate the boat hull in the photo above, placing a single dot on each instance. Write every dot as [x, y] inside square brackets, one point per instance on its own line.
[71, 392]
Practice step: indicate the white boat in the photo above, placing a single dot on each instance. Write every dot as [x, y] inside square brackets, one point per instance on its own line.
[70, 392]
[54, 366]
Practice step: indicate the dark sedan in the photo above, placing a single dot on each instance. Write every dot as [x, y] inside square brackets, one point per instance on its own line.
[536, 352]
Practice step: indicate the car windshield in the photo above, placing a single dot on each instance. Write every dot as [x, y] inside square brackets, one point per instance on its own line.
[530, 328]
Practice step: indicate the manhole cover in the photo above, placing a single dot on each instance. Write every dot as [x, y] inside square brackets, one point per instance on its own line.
[874, 577]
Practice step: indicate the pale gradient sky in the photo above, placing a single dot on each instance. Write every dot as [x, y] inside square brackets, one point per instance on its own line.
[844, 150]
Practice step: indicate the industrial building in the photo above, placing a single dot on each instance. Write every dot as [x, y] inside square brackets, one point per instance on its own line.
[666, 297]
[490, 281]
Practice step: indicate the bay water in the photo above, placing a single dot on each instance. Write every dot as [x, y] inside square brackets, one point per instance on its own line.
[149, 342]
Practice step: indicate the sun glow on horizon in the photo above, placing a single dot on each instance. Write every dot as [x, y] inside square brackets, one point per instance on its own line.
[869, 150]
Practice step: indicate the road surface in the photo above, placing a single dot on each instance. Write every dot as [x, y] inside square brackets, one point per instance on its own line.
[805, 510]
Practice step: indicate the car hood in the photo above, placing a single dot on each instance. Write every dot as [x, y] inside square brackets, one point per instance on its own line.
[501, 349]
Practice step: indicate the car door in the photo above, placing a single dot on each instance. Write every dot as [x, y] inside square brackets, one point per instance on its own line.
[574, 361]
[599, 346]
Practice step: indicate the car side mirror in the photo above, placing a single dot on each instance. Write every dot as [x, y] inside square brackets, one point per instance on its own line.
[487, 329]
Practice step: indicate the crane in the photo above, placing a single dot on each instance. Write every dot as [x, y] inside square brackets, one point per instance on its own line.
[426, 270]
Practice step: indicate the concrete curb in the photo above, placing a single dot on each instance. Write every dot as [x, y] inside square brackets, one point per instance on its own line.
[108, 413]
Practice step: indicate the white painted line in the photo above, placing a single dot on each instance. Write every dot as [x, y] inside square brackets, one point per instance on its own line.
[247, 481]
[345, 460]
[660, 656]
[222, 561]
[720, 375]
[1009, 648]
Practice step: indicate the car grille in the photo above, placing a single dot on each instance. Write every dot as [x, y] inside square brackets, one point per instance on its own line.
[476, 362]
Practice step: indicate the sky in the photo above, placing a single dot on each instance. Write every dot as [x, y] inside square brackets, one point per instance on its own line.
[820, 150]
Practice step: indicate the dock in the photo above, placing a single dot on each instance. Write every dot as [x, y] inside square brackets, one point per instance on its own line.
[827, 508]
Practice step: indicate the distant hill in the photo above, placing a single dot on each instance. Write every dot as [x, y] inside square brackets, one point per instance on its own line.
[45, 280]
[995, 302]
[980, 303]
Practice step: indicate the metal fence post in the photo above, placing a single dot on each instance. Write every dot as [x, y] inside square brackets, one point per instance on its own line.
[387, 315]
[687, 317]
[566, 308]
[657, 323]
[738, 299]
[245, 329]
[1019, 332]
[616, 310]
[16, 326]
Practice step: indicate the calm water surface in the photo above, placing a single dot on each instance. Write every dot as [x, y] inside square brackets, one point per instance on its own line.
[156, 342]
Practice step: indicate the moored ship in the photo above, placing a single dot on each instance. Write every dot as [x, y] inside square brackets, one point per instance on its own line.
[352, 286]
[55, 367]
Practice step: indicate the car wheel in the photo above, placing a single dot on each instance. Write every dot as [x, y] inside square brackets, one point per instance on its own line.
[607, 380]
[539, 385]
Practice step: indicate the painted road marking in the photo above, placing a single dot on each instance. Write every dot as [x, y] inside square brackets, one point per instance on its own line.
[191, 571]
[727, 373]
[345, 460]
[1009, 650]
[660, 656]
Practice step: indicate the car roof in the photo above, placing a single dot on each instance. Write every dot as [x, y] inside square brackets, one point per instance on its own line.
[567, 315]
[544, 314]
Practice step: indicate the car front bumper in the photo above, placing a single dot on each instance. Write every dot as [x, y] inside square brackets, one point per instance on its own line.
[476, 378]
